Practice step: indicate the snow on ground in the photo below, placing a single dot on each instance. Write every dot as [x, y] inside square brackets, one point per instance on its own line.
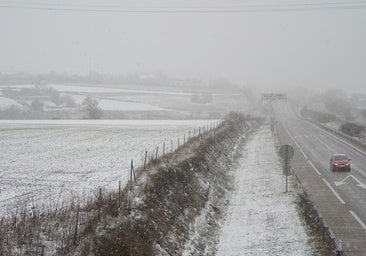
[47, 162]
[127, 106]
[107, 104]
[89, 89]
[6, 102]
[261, 218]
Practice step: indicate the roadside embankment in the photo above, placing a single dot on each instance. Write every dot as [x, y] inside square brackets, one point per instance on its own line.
[171, 207]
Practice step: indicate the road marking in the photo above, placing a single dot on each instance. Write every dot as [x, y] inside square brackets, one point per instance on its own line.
[360, 184]
[297, 145]
[288, 132]
[302, 152]
[312, 165]
[342, 182]
[317, 171]
[358, 219]
[334, 192]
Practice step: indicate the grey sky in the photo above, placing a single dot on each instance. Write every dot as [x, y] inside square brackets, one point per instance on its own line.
[318, 48]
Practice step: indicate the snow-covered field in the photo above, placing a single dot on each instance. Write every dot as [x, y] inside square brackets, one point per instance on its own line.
[261, 218]
[6, 102]
[89, 89]
[107, 104]
[45, 163]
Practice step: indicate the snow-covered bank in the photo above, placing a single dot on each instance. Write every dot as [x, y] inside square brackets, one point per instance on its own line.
[153, 215]
[261, 218]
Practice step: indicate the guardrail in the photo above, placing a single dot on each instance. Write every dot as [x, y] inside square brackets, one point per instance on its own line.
[311, 212]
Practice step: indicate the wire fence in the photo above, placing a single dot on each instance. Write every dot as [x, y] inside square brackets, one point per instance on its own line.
[79, 217]
[149, 157]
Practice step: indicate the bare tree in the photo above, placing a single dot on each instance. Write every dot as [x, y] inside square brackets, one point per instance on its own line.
[91, 104]
[37, 105]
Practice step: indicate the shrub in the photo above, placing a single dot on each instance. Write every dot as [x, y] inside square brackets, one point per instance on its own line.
[352, 129]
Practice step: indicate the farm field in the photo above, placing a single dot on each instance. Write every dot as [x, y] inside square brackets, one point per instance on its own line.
[45, 164]
[159, 101]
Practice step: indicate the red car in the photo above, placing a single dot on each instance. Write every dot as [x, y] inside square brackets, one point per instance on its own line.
[339, 162]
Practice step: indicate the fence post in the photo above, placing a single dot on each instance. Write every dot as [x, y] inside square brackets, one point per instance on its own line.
[184, 139]
[325, 231]
[189, 135]
[133, 171]
[145, 160]
[171, 145]
[131, 175]
[178, 143]
[156, 154]
[119, 193]
[199, 130]
[320, 221]
[164, 149]
[194, 132]
[76, 225]
[99, 203]
[331, 239]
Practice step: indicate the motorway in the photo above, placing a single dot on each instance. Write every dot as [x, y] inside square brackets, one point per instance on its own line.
[317, 145]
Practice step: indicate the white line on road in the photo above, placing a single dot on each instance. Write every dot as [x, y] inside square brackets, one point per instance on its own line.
[288, 132]
[303, 153]
[306, 157]
[358, 219]
[334, 192]
[297, 145]
[357, 180]
[316, 169]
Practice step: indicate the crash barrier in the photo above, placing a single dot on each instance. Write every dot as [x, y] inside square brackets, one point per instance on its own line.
[311, 212]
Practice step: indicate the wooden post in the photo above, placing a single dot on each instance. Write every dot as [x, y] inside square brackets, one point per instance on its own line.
[189, 135]
[184, 139]
[164, 149]
[145, 160]
[194, 132]
[171, 145]
[131, 174]
[199, 130]
[156, 155]
[325, 231]
[133, 171]
[119, 191]
[76, 225]
[178, 142]
[99, 203]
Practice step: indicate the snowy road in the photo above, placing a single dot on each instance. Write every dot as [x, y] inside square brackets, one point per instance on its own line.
[261, 218]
